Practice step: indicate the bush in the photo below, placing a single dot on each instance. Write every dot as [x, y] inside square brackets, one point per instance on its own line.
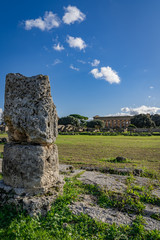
[95, 124]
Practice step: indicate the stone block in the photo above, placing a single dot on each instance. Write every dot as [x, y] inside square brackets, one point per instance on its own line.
[34, 205]
[29, 112]
[32, 167]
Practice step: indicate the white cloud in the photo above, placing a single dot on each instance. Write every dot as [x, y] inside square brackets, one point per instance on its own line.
[56, 61]
[107, 74]
[149, 96]
[151, 87]
[58, 47]
[48, 22]
[73, 14]
[140, 110]
[76, 42]
[81, 61]
[95, 63]
[74, 68]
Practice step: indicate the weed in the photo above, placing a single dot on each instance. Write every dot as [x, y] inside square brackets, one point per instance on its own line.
[156, 216]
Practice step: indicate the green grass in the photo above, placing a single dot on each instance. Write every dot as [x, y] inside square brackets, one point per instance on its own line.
[141, 152]
[1, 149]
[60, 223]
[3, 135]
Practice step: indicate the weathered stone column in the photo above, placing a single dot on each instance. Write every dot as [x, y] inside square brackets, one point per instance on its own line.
[31, 158]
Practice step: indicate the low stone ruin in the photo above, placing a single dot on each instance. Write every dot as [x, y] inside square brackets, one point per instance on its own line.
[30, 165]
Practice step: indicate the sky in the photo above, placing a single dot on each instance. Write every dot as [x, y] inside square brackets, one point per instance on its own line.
[102, 56]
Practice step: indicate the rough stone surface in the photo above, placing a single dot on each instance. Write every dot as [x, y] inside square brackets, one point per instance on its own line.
[29, 112]
[33, 167]
[110, 182]
[117, 183]
[30, 164]
[88, 206]
[34, 205]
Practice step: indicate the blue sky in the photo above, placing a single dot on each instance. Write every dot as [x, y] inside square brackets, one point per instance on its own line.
[102, 56]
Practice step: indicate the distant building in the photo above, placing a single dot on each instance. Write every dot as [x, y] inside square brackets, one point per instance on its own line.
[115, 121]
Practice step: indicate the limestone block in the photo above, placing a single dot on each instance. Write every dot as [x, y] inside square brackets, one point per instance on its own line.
[34, 205]
[29, 111]
[32, 167]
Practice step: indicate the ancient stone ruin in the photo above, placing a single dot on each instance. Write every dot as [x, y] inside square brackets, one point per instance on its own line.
[30, 165]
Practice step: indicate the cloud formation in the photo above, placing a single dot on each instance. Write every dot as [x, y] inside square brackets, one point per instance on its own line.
[73, 14]
[48, 22]
[74, 68]
[140, 110]
[107, 74]
[76, 42]
[95, 63]
[151, 87]
[56, 61]
[58, 47]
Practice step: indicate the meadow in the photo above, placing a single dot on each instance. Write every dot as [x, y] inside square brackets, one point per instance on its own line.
[81, 150]
[141, 152]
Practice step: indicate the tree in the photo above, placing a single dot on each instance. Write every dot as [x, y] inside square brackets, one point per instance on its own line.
[142, 121]
[68, 120]
[81, 119]
[79, 116]
[95, 124]
[83, 123]
[156, 118]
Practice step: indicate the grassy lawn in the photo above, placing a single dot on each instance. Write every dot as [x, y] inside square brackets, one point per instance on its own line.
[3, 135]
[143, 152]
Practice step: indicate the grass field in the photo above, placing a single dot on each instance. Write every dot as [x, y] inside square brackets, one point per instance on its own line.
[143, 152]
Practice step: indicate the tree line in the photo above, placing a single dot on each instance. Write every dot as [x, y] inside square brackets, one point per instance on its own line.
[80, 121]
[137, 121]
